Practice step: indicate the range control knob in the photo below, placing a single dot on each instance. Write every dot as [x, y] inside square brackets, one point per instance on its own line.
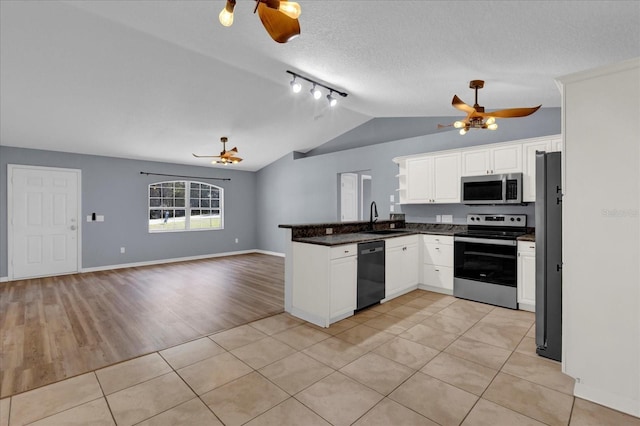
[512, 219]
[519, 219]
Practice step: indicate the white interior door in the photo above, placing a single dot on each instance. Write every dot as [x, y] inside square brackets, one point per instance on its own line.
[348, 197]
[43, 214]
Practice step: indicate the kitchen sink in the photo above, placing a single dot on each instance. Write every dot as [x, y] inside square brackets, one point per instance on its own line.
[385, 231]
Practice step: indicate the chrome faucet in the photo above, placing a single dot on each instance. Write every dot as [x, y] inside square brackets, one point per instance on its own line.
[373, 210]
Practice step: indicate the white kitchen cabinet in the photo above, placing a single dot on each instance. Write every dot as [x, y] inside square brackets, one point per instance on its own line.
[527, 275]
[343, 293]
[529, 150]
[494, 160]
[324, 282]
[437, 263]
[401, 265]
[430, 179]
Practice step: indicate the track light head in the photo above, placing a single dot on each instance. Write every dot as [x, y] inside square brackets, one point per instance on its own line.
[332, 101]
[316, 92]
[296, 87]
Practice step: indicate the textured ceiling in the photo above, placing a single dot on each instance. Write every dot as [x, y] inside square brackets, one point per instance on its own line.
[159, 80]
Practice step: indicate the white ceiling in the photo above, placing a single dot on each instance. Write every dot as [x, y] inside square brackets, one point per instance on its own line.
[158, 80]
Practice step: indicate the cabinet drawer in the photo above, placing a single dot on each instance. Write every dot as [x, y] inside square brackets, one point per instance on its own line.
[401, 241]
[437, 239]
[343, 251]
[438, 254]
[526, 246]
[438, 276]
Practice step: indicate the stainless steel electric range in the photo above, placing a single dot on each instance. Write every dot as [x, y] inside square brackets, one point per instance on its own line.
[485, 259]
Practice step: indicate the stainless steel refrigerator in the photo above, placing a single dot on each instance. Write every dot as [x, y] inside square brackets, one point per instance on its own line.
[548, 255]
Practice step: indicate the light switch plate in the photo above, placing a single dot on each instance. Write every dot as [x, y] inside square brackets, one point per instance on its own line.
[391, 208]
[447, 218]
[438, 218]
[99, 218]
[392, 198]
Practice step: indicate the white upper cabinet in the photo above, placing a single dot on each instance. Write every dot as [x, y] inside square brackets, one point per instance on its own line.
[490, 161]
[435, 177]
[529, 150]
[431, 179]
[419, 176]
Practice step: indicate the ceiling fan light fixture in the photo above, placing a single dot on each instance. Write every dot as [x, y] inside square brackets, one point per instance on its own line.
[490, 121]
[458, 124]
[332, 101]
[226, 15]
[290, 8]
[492, 126]
[463, 131]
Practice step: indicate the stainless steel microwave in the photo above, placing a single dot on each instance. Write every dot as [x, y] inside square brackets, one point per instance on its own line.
[492, 189]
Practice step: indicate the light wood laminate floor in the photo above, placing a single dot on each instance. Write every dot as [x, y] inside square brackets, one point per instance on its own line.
[58, 327]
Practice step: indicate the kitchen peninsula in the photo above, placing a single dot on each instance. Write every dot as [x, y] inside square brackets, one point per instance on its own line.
[321, 264]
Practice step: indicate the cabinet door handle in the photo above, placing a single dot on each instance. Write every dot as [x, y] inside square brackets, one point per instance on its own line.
[404, 249]
[437, 248]
[532, 247]
[437, 270]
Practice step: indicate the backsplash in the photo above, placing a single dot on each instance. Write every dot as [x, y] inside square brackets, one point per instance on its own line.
[427, 213]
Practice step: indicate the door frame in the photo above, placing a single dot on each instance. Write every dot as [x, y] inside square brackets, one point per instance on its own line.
[361, 193]
[10, 169]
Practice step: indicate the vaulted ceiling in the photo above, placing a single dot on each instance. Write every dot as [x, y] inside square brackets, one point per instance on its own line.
[160, 80]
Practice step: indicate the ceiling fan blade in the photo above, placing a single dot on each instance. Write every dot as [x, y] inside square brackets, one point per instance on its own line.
[205, 156]
[280, 27]
[458, 104]
[442, 126]
[234, 149]
[510, 112]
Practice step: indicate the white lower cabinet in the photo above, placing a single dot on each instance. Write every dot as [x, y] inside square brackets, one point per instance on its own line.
[401, 260]
[527, 275]
[437, 263]
[324, 282]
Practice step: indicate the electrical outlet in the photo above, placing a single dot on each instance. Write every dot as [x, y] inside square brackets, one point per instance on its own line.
[329, 231]
[392, 208]
[122, 250]
[447, 218]
[236, 241]
[438, 218]
[392, 226]
[392, 198]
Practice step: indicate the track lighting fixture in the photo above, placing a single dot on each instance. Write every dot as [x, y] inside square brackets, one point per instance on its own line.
[296, 87]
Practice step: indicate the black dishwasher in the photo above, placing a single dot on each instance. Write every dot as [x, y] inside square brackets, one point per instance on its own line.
[370, 274]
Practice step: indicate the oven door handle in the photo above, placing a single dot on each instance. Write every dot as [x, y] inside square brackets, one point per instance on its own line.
[485, 241]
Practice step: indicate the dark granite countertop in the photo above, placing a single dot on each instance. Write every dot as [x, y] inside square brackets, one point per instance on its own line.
[353, 238]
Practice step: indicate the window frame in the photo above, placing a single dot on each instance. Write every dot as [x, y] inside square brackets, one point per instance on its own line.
[187, 208]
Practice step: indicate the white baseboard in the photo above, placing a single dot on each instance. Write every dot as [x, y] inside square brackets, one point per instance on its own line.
[271, 253]
[162, 261]
[173, 260]
[608, 399]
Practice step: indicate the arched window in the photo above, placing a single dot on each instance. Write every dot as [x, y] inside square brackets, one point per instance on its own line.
[185, 206]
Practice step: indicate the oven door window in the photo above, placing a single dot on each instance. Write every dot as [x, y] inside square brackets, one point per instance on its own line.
[486, 262]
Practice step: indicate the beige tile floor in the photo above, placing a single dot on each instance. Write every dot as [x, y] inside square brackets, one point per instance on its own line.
[421, 359]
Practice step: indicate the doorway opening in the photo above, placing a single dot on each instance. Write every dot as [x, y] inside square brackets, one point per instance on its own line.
[354, 195]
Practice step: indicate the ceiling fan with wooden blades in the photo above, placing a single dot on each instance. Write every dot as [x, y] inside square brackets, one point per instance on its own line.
[279, 17]
[477, 118]
[225, 157]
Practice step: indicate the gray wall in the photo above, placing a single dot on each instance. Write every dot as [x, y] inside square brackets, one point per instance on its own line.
[115, 188]
[305, 191]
